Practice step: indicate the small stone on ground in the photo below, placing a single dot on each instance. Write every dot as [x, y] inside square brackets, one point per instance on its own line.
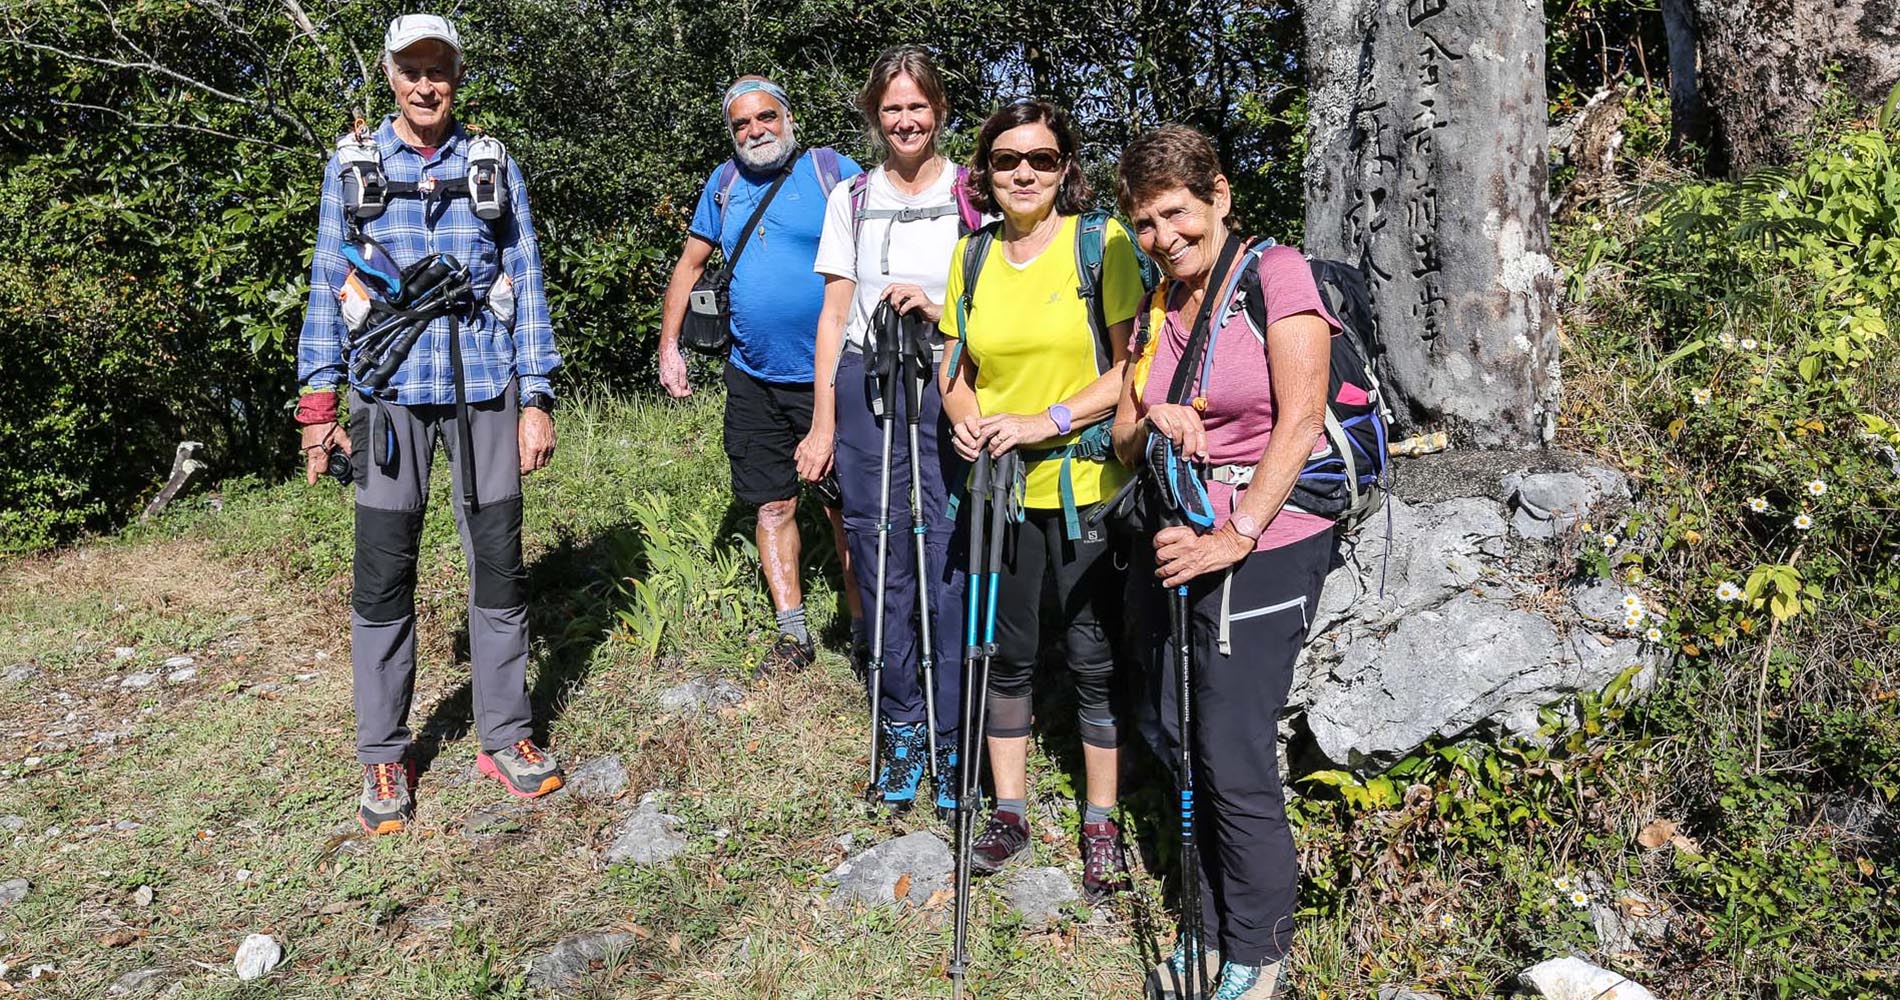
[701, 694]
[563, 967]
[13, 890]
[138, 682]
[259, 954]
[872, 877]
[137, 981]
[182, 675]
[647, 836]
[1039, 895]
[600, 778]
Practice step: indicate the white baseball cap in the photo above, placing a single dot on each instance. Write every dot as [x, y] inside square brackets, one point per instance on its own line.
[408, 29]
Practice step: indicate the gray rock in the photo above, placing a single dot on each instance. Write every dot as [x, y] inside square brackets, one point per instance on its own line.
[1855, 820]
[871, 877]
[13, 890]
[1039, 895]
[488, 822]
[565, 965]
[1549, 503]
[12, 822]
[123, 652]
[1439, 673]
[701, 695]
[430, 918]
[179, 662]
[647, 836]
[1576, 979]
[182, 675]
[257, 955]
[142, 896]
[139, 681]
[1601, 603]
[600, 778]
[1622, 918]
[20, 673]
[138, 981]
[1401, 993]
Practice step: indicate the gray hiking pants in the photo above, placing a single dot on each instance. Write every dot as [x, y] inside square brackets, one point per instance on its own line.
[390, 499]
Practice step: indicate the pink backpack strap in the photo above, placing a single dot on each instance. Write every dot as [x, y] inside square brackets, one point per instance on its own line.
[967, 215]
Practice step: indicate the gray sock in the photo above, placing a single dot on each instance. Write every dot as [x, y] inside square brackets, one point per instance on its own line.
[1018, 806]
[1092, 813]
[791, 621]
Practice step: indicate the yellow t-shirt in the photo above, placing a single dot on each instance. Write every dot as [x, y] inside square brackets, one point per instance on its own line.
[1028, 335]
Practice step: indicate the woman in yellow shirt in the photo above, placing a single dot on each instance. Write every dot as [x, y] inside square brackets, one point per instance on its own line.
[1033, 372]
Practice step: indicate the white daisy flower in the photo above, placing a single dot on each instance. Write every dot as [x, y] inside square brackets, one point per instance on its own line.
[1579, 898]
[1562, 883]
[1631, 602]
[1633, 619]
[1803, 522]
[1610, 542]
[1726, 339]
[1728, 592]
[1654, 634]
[1758, 504]
[1816, 487]
[1749, 344]
[1702, 396]
[1447, 921]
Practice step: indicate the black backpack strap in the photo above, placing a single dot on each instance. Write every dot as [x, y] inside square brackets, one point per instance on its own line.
[1202, 332]
[752, 222]
[976, 249]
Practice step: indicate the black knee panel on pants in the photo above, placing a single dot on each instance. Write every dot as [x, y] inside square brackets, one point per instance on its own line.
[497, 579]
[385, 566]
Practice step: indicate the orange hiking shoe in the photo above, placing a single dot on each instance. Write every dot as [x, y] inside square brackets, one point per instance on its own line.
[526, 770]
[388, 802]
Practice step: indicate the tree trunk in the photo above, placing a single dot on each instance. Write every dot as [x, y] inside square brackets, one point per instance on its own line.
[1427, 166]
[1688, 118]
[1766, 65]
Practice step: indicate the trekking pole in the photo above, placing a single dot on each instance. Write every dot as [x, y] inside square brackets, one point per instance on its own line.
[972, 693]
[1003, 473]
[915, 360]
[883, 365]
[1182, 499]
[1192, 925]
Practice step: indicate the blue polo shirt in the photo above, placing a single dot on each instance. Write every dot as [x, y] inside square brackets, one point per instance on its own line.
[776, 296]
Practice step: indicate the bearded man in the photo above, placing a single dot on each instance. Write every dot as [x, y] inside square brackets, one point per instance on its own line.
[776, 298]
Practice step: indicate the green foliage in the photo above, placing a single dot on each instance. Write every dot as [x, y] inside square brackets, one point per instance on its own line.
[161, 167]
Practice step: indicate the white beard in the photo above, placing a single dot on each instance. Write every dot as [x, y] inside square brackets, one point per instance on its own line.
[769, 153]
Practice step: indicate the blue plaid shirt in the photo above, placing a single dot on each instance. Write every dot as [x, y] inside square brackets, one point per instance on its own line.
[411, 228]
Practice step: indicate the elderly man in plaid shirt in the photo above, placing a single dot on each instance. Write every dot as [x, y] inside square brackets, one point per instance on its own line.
[504, 430]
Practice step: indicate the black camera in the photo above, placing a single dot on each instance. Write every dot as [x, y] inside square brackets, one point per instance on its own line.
[340, 468]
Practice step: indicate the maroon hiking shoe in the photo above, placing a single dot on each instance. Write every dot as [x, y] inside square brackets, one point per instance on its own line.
[1104, 865]
[1004, 839]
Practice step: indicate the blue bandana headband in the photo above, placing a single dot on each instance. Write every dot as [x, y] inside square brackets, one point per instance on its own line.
[766, 87]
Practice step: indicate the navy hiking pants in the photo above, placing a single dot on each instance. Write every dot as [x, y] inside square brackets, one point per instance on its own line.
[859, 451]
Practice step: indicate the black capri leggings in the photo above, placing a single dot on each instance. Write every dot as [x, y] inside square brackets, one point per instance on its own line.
[1082, 573]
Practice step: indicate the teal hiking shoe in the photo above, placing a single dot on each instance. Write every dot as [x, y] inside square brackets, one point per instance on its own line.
[1251, 982]
[1168, 981]
[902, 749]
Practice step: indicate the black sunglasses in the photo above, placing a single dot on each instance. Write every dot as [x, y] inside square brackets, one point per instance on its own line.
[1043, 161]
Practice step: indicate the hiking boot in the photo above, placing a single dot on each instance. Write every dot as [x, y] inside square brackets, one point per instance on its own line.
[788, 655]
[1251, 982]
[1003, 840]
[901, 750]
[946, 777]
[1104, 866]
[388, 801]
[527, 771]
[1168, 981]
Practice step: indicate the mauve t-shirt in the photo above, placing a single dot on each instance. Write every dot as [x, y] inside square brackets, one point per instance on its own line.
[1239, 414]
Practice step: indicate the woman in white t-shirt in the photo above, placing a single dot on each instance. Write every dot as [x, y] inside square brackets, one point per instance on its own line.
[888, 235]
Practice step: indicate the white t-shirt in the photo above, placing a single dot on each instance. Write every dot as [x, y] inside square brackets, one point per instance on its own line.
[919, 249]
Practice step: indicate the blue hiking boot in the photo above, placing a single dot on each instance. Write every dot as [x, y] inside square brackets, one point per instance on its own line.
[946, 777]
[902, 750]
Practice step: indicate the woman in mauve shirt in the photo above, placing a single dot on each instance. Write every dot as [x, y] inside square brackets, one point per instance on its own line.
[1255, 414]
